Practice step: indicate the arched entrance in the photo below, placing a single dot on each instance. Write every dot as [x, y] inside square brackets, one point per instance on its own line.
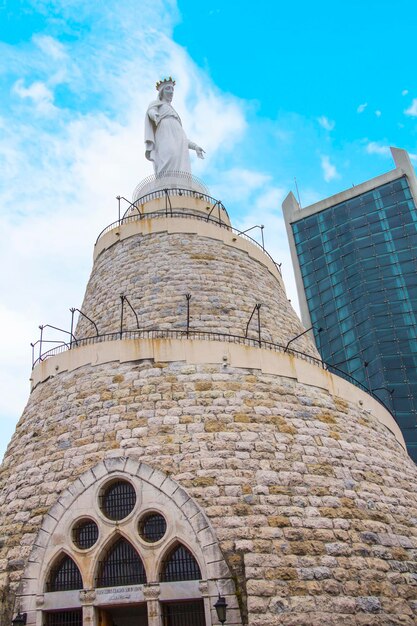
[126, 546]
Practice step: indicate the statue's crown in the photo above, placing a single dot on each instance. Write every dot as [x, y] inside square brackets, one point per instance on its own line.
[165, 81]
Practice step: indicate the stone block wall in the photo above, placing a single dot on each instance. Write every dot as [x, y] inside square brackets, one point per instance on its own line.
[156, 271]
[313, 501]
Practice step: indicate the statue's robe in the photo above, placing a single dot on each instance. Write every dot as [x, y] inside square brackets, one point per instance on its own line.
[166, 143]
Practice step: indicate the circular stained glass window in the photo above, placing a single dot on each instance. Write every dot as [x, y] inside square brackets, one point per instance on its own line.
[85, 534]
[117, 500]
[152, 527]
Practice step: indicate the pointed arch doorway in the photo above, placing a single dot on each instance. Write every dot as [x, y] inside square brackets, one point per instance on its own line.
[125, 545]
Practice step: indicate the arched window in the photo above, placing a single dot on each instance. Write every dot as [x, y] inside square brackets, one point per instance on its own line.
[64, 575]
[121, 565]
[179, 564]
[118, 499]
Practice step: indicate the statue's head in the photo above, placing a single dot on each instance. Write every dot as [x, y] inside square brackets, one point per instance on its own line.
[165, 88]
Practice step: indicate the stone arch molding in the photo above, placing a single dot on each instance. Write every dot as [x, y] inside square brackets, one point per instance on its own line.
[156, 491]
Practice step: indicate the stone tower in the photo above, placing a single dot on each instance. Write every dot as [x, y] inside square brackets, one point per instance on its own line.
[185, 447]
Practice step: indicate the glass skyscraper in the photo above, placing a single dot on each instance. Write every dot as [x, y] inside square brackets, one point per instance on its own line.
[355, 260]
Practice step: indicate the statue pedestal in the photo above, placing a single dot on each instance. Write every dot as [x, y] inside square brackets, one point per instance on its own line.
[170, 180]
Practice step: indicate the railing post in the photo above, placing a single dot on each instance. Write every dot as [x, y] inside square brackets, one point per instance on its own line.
[133, 310]
[166, 202]
[319, 330]
[40, 343]
[366, 363]
[258, 306]
[118, 199]
[255, 308]
[87, 318]
[122, 298]
[72, 325]
[188, 296]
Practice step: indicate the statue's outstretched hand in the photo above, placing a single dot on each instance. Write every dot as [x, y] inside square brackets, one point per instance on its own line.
[200, 152]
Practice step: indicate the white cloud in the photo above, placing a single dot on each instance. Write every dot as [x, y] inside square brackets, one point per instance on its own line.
[215, 122]
[270, 199]
[329, 170]
[309, 196]
[14, 322]
[361, 108]
[378, 113]
[404, 92]
[412, 109]
[53, 48]
[238, 184]
[373, 147]
[41, 96]
[57, 64]
[326, 123]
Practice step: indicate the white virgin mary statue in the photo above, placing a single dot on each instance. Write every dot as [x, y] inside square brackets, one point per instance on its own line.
[166, 143]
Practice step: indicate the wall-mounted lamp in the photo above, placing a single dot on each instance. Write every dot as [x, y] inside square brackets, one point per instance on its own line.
[20, 619]
[221, 608]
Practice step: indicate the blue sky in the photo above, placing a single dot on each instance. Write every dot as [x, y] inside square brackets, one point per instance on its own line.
[272, 91]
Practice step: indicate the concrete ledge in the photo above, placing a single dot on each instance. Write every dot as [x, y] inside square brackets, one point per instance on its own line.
[369, 185]
[228, 354]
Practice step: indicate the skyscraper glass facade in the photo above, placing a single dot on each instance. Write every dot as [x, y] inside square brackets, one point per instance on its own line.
[358, 261]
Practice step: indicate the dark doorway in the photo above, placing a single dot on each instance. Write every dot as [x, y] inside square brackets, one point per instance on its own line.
[64, 618]
[187, 613]
[124, 616]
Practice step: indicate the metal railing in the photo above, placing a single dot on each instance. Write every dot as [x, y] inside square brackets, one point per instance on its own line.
[187, 215]
[178, 191]
[155, 333]
[163, 193]
[170, 177]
